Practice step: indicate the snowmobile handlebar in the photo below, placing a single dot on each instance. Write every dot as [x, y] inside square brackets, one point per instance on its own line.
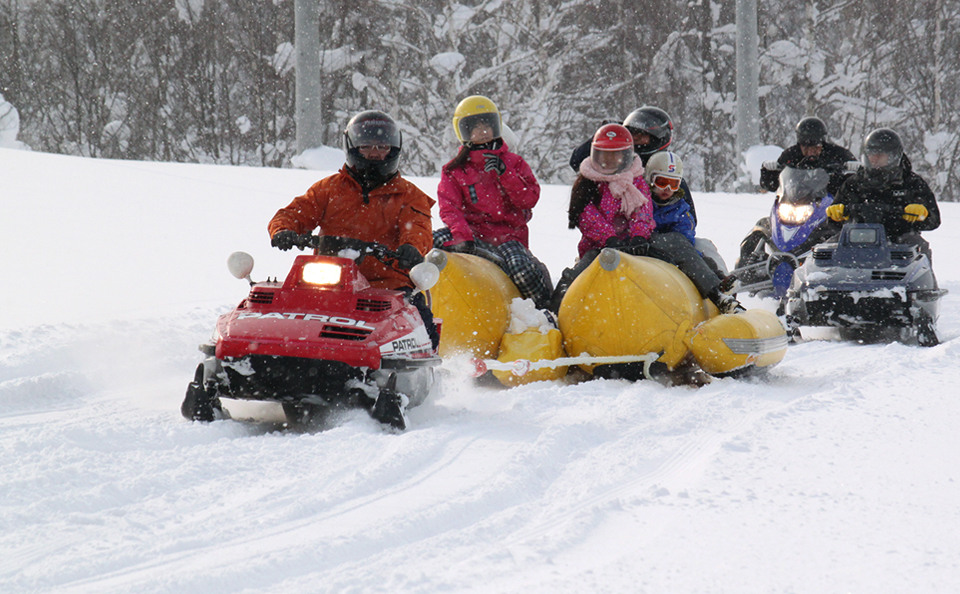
[332, 245]
[870, 213]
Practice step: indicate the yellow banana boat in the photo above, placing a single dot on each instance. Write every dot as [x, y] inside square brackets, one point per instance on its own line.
[625, 305]
[472, 297]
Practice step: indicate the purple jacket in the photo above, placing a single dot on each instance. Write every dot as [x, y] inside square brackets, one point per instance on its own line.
[478, 204]
[598, 224]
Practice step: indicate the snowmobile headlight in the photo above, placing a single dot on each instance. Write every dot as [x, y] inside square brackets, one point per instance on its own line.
[321, 273]
[794, 214]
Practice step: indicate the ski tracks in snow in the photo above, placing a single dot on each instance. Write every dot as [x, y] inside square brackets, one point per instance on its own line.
[489, 490]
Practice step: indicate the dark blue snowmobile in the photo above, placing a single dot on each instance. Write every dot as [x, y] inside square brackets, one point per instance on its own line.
[868, 288]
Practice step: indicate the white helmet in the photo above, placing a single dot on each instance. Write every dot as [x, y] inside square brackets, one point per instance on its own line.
[668, 168]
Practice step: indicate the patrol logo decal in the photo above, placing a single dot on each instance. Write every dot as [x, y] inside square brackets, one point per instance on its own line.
[414, 342]
[404, 344]
[275, 315]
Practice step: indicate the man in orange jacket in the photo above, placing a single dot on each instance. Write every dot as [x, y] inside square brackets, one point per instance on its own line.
[368, 200]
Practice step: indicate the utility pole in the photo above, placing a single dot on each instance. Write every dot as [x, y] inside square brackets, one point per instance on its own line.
[307, 41]
[748, 82]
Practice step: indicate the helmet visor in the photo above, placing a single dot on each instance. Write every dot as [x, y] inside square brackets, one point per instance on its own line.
[611, 162]
[644, 122]
[479, 128]
[373, 132]
[880, 160]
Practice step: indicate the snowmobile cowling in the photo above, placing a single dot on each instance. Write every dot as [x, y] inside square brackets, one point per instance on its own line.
[346, 320]
[321, 341]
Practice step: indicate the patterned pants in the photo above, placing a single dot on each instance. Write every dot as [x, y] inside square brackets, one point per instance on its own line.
[529, 274]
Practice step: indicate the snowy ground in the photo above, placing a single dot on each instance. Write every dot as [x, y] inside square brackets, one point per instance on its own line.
[837, 474]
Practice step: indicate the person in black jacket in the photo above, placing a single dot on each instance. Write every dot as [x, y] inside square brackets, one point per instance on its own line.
[812, 150]
[652, 131]
[886, 177]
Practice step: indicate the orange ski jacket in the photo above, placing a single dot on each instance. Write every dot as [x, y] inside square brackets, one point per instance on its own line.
[393, 214]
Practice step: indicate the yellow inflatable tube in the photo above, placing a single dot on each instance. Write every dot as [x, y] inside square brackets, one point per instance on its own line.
[629, 305]
[472, 297]
[728, 344]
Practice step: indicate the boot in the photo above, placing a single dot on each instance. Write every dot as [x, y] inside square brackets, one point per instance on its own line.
[725, 303]
[388, 409]
[728, 284]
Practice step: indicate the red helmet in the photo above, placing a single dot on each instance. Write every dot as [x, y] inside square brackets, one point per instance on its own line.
[612, 137]
[612, 149]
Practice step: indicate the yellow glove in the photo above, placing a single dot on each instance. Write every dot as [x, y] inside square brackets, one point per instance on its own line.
[913, 212]
[835, 212]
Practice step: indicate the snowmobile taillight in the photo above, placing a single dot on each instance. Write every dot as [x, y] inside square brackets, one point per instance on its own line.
[794, 214]
[321, 273]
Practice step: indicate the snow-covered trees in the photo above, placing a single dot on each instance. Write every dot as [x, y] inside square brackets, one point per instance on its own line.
[214, 80]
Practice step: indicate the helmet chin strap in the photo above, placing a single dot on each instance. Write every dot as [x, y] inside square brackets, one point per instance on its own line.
[489, 146]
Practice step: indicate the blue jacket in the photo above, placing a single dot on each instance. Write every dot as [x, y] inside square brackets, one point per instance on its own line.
[675, 217]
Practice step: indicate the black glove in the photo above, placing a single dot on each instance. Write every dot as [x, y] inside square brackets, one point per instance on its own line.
[494, 163]
[614, 242]
[464, 247]
[283, 239]
[408, 256]
[637, 246]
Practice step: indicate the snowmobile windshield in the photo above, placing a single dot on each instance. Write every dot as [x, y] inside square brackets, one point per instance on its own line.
[802, 186]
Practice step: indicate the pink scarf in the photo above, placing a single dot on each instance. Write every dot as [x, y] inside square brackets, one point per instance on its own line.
[620, 184]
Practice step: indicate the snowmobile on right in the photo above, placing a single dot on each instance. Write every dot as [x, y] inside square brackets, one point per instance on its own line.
[868, 288]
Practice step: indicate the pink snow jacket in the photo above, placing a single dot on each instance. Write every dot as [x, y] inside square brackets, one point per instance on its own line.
[608, 217]
[478, 204]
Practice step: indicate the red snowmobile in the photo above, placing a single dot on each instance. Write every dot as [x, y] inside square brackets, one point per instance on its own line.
[322, 340]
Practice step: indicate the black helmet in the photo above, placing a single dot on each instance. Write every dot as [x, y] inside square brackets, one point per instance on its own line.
[811, 132]
[653, 121]
[372, 128]
[886, 142]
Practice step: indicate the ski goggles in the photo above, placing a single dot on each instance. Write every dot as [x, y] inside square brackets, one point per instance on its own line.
[666, 183]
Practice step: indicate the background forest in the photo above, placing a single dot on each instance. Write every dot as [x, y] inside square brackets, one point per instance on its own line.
[213, 81]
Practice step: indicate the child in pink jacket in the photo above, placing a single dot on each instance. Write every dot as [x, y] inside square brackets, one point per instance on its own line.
[609, 202]
[486, 197]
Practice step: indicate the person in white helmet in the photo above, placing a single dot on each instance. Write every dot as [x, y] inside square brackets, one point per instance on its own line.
[675, 233]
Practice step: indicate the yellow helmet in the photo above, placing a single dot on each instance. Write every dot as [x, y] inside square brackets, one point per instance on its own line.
[472, 111]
